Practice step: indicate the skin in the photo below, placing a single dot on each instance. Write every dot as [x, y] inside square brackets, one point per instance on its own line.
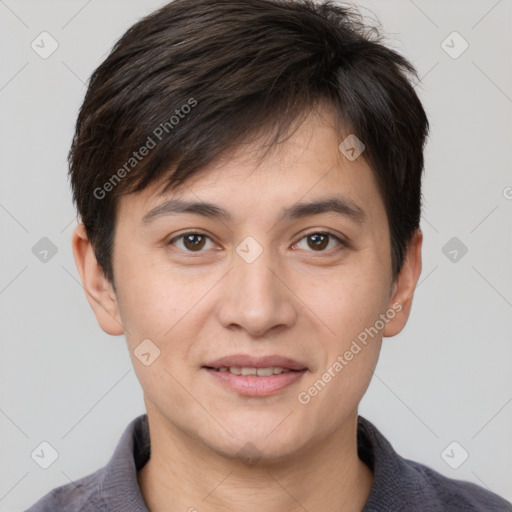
[295, 300]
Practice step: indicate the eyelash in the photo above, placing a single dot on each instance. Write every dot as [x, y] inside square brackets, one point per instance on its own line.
[342, 243]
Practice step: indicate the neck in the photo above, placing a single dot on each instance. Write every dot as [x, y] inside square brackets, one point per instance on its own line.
[185, 473]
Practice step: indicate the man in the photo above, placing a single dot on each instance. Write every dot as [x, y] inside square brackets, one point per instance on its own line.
[248, 177]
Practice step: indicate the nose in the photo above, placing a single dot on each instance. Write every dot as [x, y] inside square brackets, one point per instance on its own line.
[256, 296]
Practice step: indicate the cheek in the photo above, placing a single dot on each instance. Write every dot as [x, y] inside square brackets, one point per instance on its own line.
[168, 307]
[346, 300]
[333, 393]
[355, 299]
[152, 298]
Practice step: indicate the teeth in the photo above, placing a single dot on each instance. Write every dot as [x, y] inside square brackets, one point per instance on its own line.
[260, 372]
[265, 372]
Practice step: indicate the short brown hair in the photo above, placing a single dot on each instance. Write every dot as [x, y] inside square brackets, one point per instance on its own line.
[198, 77]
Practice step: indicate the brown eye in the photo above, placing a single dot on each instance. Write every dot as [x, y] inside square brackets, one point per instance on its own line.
[194, 242]
[191, 242]
[318, 241]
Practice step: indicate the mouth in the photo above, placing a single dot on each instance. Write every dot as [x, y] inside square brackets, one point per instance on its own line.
[251, 376]
[245, 370]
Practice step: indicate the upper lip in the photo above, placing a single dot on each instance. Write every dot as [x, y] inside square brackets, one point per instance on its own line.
[248, 361]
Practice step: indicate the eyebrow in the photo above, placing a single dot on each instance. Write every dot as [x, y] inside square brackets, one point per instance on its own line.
[339, 205]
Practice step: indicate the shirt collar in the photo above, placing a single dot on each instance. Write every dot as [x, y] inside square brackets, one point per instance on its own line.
[119, 488]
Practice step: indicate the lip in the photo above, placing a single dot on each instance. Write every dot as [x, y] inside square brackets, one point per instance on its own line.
[248, 361]
[253, 385]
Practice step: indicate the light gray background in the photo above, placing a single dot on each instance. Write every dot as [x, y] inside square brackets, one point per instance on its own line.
[447, 377]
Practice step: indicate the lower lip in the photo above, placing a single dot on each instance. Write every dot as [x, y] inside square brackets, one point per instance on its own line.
[252, 385]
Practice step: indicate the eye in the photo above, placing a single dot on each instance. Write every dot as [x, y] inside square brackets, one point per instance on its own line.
[320, 240]
[192, 241]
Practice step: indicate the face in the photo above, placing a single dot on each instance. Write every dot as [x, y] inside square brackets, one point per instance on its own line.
[259, 315]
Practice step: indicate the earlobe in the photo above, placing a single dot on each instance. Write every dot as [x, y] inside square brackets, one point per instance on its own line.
[404, 287]
[98, 290]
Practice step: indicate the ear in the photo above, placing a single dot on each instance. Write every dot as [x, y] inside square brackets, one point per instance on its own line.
[404, 286]
[98, 290]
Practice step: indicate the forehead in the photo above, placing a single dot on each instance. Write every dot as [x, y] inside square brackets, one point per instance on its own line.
[292, 180]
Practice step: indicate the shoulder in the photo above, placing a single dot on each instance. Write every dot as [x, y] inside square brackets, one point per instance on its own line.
[78, 496]
[113, 487]
[401, 484]
[437, 491]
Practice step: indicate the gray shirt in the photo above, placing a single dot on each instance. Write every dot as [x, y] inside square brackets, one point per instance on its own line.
[399, 484]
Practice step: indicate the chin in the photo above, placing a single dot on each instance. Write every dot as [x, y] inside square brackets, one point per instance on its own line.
[258, 453]
[263, 441]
